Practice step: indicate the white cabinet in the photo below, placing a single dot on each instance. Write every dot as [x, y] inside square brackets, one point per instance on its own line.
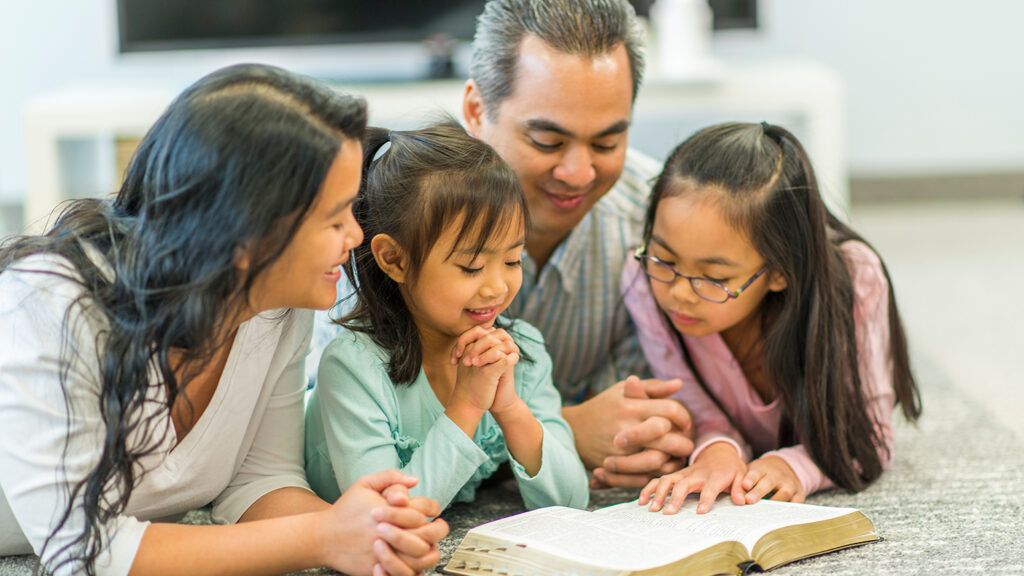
[803, 96]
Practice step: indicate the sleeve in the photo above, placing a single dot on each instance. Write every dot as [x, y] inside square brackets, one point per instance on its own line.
[710, 424]
[628, 354]
[274, 459]
[665, 356]
[359, 414]
[50, 429]
[871, 323]
[562, 479]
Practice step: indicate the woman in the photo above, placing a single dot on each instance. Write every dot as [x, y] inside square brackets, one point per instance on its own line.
[152, 350]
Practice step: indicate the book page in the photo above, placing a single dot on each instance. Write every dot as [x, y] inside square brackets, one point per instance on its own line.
[617, 542]
[726, 521]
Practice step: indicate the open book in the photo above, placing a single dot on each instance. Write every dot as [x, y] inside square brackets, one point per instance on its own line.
[628, 539]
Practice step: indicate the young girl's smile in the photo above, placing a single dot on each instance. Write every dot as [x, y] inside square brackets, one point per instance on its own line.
[691, 234]
[457, 289]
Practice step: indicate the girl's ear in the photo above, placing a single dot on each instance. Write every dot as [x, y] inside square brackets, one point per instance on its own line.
[390, 257]
[776, 281]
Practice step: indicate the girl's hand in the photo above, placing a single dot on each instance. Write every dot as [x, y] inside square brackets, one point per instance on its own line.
[768, 475]
[482, 360]
[505, 397]
[362, 533]
[718, 469]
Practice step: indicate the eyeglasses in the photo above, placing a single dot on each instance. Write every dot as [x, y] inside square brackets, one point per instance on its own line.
[706, 288]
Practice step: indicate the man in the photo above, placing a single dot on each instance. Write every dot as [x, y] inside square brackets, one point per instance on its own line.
[552, 85]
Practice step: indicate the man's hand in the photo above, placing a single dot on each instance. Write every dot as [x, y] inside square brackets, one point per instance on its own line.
[631, 432]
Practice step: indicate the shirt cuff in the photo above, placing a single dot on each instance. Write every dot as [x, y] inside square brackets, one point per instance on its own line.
[709, 440]
[231, 505]
[117, 557]
[561, 479]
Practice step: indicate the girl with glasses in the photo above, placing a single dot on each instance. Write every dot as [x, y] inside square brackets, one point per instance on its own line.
[779, 318]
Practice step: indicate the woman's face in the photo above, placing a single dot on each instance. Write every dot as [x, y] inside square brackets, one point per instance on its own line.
[307, 272]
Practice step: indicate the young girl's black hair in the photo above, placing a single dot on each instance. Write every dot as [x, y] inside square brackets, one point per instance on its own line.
[416, 183]
[762, 180]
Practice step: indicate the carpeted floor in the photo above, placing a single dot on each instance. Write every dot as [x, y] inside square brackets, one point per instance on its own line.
[951, 504]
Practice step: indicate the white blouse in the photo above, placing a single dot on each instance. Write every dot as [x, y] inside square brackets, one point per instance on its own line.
[248, 441]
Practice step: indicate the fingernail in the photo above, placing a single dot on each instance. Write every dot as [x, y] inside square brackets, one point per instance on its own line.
[377, 514]
[384, 529]
[670, 509]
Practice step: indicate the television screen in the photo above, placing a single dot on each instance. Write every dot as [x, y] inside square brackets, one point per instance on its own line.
[154, 25]
[149, 25]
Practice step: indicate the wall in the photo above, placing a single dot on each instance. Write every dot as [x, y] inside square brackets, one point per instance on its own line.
[933, 85]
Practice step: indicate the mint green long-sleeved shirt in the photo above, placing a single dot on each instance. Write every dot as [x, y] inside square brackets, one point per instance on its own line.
[358, 421]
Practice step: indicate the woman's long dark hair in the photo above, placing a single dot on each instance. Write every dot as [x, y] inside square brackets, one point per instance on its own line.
[763, 181]
[422, 182]
[235, 162]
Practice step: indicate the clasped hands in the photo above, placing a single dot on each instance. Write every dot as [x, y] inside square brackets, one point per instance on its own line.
[486, 357]
[632, 432]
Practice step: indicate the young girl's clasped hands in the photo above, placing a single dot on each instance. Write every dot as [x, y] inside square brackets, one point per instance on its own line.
[778, 317]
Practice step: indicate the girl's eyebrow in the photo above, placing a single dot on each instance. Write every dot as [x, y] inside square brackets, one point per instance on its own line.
[709, 261]
[470, 251]
[657, 240]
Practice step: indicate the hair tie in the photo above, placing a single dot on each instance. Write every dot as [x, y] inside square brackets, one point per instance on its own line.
[382, 150]
[765, 127]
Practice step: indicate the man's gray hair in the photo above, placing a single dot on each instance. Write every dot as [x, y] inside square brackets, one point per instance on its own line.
[587, 28]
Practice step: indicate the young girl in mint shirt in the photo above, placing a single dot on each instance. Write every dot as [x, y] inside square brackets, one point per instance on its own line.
[426, 375]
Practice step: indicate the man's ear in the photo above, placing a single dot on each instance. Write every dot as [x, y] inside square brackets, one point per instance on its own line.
[390, 257]
[776, 281]
[473, 111]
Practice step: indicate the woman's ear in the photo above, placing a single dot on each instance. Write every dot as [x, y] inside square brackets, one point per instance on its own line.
[243, 257]
[390, 257]
[776, 281]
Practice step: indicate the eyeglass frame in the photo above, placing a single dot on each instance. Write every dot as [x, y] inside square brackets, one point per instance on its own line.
[640, 254]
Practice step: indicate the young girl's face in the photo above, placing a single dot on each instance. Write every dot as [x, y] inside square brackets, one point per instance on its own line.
[690, 233]
[455, 293]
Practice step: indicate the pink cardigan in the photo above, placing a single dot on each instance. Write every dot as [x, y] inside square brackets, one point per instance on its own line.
[759, 422]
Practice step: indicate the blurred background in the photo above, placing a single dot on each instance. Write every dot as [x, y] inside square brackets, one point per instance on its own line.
[911, 111]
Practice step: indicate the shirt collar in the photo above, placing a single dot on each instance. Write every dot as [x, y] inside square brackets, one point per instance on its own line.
[567, 257]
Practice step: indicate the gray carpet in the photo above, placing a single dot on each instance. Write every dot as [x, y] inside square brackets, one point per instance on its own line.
[951, 504]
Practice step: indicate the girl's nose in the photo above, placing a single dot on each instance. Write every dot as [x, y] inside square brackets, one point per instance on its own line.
[682, 291]
[494, 288]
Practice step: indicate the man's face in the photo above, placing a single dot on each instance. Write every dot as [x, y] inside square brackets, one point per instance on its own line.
[563, 130]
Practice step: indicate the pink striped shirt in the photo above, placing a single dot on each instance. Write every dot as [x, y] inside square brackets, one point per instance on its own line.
[758, 422]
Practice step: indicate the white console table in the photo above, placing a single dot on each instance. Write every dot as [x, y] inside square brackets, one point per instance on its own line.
[803, 96]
